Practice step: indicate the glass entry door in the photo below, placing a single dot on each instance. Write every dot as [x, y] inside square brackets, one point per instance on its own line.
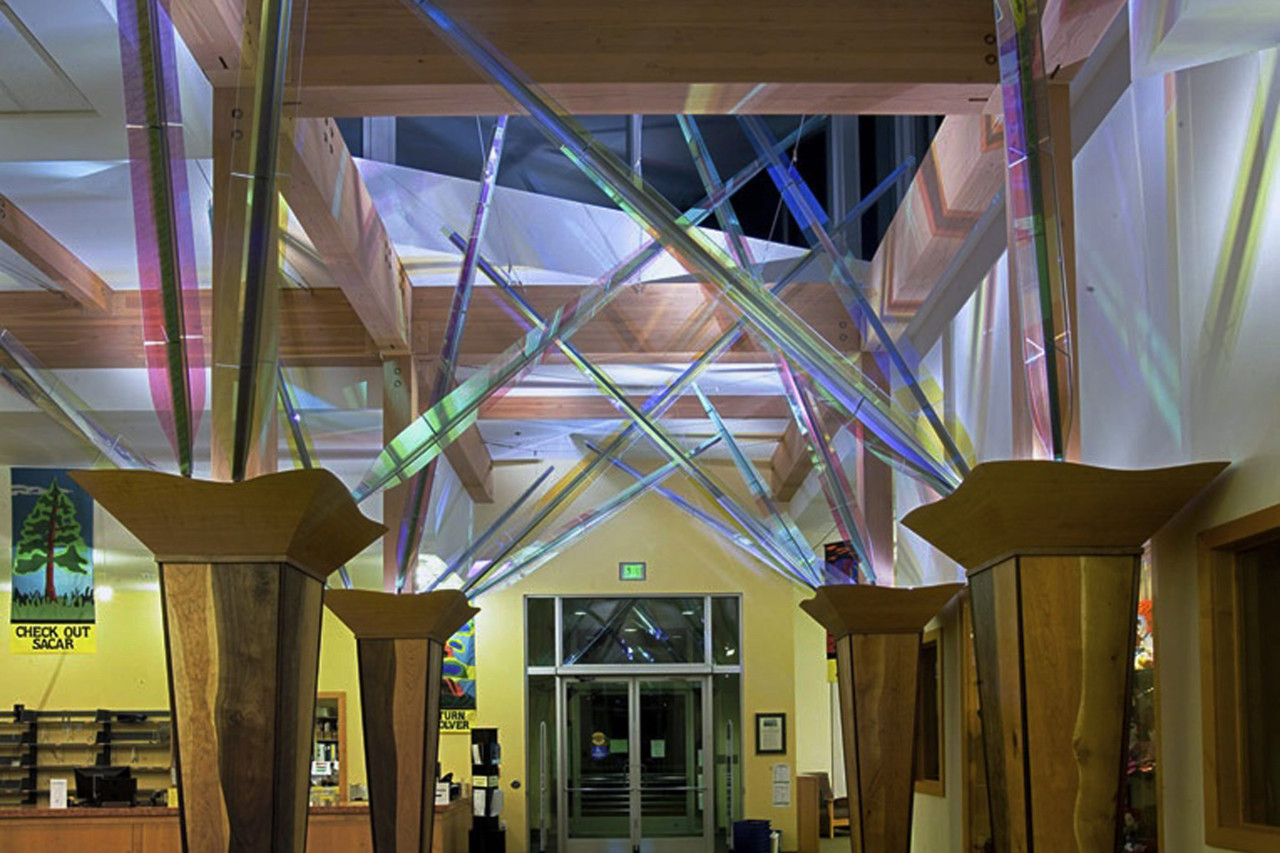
[633, 771]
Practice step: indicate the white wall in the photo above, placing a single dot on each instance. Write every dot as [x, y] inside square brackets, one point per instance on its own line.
[1177, 214]
[1182, 360]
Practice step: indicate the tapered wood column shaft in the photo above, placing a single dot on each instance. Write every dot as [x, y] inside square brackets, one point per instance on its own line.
[878, 633]
[1053, 551]
[242, 571]
[400, 646]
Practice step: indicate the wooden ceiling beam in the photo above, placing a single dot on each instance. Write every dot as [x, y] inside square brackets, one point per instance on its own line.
[790, 464]
[955, 184]
[1073, 28]
[43, 251]
[318, 327]
[469, 457]
[522, 407]
[791, 461]
[330, 199]
[324, 189]
[650, 323]
[377, 57]
[773, 98]
[961, 174]
[213, 31]
[467, 454]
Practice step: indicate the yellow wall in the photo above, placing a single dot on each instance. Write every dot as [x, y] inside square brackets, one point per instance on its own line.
[127, 671]
[680, 558]
[339, 672]
[813, 695]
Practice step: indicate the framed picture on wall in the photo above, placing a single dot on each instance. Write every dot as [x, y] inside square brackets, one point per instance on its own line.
[771, 734]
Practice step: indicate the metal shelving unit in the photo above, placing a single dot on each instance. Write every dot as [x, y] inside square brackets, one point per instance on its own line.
[34, 744]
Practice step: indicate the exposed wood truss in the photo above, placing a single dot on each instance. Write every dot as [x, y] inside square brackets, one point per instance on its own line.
[331, 201]
[467, 454]
[952, 190]
[376, 57]
[956, 182]
[587, 407]
[961, 174]
[791, 462]
[43, 251]
[319, 327]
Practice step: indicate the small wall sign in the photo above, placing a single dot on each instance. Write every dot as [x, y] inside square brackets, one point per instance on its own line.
[631, 571]
[771, 734]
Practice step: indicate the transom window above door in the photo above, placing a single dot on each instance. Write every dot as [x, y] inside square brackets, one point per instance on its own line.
[697, 630]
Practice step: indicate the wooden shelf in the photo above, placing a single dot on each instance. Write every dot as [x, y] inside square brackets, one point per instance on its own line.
[331, 709]
[112, 730]
[135, 768]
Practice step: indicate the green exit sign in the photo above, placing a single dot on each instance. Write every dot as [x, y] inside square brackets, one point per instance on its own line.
[631, 571]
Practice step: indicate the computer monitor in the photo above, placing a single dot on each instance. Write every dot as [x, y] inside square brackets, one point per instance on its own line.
[99, 786]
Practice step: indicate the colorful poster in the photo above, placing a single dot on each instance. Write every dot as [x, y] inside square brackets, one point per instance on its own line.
[51, 609]
[841, 560]
[458, 691]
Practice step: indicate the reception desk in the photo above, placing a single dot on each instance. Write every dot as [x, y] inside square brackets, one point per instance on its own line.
[333, 829]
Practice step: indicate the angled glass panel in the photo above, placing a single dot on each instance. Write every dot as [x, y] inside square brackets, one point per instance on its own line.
[726, 631]
[540, 631]
[634, 630]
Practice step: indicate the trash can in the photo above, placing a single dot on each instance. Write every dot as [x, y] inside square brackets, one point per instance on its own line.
[751, 836]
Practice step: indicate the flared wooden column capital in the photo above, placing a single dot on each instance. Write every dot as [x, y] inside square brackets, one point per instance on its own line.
[386, 616]
[306, 519]
[1032, 506]
[845, 609]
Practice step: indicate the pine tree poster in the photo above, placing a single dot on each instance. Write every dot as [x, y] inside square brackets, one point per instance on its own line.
[51, 608]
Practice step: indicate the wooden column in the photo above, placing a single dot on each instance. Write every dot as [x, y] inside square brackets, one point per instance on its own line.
[878, 631]
[400, 646]
[242, 572]
[1052, 550]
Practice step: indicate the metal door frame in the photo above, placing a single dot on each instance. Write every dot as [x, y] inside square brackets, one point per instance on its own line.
[635, 843]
